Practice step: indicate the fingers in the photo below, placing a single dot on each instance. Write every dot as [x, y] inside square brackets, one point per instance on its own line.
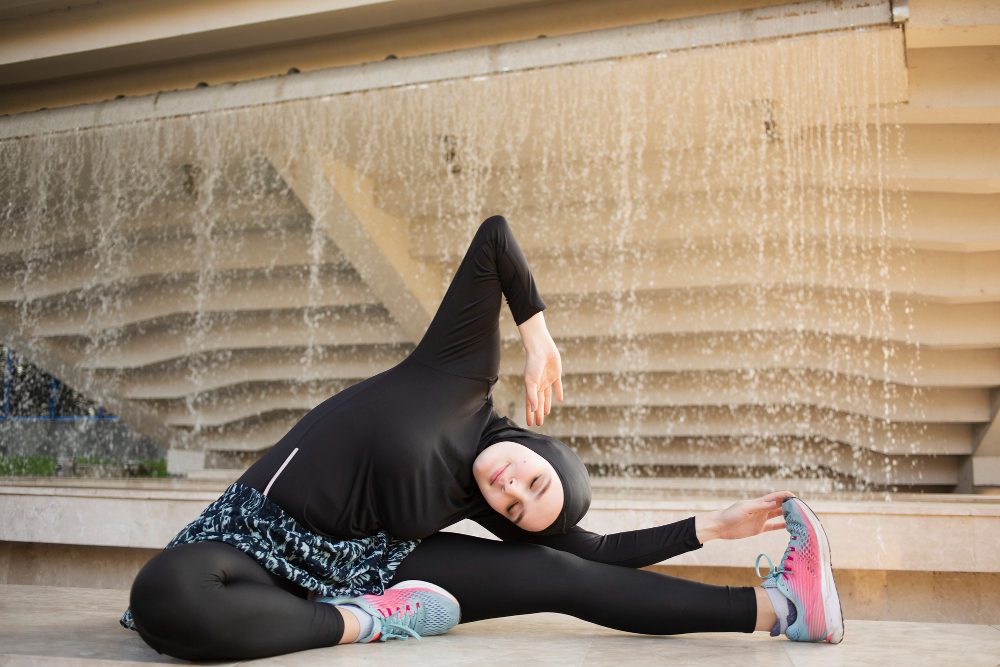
[538, 399]
[535, 405]
[775, 525]
[530, 402]
[765, 506]
[775, 499]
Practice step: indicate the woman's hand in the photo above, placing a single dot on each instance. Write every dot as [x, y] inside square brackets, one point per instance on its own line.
[743, 519]
[542, 369]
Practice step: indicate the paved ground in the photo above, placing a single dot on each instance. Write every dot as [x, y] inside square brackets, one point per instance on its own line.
[75, 626]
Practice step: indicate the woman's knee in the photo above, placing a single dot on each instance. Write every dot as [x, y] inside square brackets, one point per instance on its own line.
[169, 597]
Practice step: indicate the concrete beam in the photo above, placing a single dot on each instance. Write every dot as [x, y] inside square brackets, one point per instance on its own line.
[942, 277]
[904, 365]
[160, 218]
[668, 313]
[937, 24]
[732, 27]
[174, 338]
[985, 471]
[856, 395]
[718, 311]
[152, 257]
[931, 221]
[375, 243]
[986, 438]
[172, 380]
[782, 454]
[957, 223]
[736, 423]
[108, 35]
[953, 85]
[170, 296]
[785, 421]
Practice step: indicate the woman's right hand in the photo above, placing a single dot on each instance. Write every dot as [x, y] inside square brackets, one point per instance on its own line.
[542, 369]
[743, 519]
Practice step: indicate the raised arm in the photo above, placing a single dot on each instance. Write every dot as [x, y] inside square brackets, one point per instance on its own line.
[464, 336]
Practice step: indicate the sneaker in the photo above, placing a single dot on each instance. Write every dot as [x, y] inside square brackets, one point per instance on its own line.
[806, 578]
[408, 609]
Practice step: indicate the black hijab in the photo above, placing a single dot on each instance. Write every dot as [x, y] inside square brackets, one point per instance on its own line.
[571, 470]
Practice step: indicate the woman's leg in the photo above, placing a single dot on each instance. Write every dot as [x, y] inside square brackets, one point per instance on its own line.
[210, 601]
[492, 579]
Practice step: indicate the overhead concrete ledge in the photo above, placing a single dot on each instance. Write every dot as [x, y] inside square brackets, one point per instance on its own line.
[732, 27]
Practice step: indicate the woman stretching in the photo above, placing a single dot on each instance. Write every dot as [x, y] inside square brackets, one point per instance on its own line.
[334, 535]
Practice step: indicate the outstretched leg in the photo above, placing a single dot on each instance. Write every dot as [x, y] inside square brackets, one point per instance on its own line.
[493, 579]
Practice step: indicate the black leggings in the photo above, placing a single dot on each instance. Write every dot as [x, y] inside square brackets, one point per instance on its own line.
[209, 601]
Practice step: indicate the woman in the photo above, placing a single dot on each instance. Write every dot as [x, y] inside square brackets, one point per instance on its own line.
[298, 553]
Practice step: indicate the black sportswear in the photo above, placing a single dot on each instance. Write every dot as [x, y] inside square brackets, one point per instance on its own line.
[395, 453]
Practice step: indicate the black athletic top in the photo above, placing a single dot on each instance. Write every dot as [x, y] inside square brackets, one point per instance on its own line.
[395, 451]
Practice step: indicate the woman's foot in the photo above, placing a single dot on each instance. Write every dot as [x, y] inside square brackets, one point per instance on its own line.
[805, 578]
[408, 609]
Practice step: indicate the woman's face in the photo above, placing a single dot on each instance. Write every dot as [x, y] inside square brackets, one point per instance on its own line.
[519, 484]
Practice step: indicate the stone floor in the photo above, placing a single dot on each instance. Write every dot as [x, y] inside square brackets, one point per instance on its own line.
[76, 626]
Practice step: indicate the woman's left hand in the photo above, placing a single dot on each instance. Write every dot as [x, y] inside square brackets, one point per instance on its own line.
[744, 519]
[542, 369]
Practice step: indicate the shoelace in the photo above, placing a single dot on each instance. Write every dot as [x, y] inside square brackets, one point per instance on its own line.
[773, 570]
[396, 625]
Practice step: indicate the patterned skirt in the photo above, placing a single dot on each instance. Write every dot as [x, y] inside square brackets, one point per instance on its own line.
[248, 520]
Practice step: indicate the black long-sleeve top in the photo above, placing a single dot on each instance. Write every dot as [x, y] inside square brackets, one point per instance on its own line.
[395, 451]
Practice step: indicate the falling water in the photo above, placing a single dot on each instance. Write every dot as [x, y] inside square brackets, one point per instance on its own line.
[717, 232]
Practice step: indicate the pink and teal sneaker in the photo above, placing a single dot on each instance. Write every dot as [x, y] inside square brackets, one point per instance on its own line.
[408, 609]
[806, 578]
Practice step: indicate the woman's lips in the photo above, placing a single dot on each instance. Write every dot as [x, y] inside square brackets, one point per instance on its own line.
[498, 473]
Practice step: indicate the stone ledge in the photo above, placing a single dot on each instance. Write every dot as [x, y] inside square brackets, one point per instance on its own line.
[948, 534]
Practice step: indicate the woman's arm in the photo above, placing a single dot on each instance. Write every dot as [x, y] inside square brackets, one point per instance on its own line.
[639, 548]
[634, 548]
[463, 339]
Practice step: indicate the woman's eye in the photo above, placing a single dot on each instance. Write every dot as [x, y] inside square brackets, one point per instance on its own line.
[532, 485]
[511, 508]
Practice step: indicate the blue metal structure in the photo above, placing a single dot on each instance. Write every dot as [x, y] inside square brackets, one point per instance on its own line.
[54, 402]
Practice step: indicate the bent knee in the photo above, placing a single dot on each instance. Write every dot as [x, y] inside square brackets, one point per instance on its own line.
[168, 595]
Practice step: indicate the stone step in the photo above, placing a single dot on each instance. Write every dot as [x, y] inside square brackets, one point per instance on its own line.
[906, 532]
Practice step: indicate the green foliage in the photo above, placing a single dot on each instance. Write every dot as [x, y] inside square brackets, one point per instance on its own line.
[27, 465]
[95, 461]
[152, 468]
[88, 466]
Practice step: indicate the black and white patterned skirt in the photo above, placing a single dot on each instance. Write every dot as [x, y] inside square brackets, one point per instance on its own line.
[245, 518]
